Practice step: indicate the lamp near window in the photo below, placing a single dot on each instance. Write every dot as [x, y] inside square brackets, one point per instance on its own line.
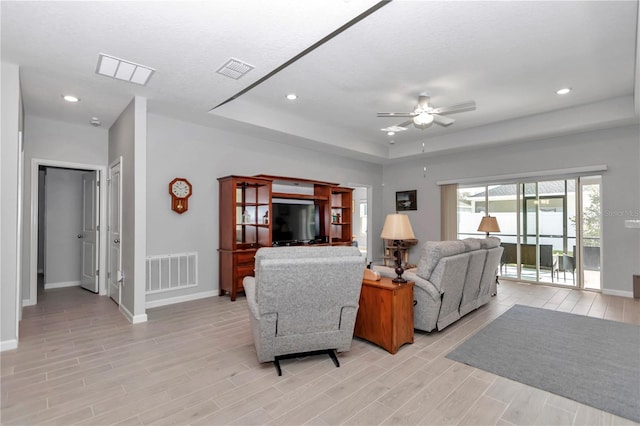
[397, 228]
[489, 224]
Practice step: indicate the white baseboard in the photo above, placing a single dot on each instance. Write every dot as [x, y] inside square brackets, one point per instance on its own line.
[61, 284]
[139, 319]
[8, 345]
[180, 299]
[620, 293]
[133, 319]
[28, 302]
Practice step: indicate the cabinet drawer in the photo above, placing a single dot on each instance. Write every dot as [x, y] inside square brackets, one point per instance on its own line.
[244, 271]
[245, 258]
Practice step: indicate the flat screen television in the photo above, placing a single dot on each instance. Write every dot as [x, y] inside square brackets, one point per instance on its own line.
[294, 223]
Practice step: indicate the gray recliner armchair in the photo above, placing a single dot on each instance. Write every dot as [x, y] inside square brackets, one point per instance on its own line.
[303, 300]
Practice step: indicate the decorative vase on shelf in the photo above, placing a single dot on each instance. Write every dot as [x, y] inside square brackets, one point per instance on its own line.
[246, 218]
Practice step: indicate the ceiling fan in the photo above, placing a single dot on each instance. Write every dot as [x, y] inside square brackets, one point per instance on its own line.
[426, 114]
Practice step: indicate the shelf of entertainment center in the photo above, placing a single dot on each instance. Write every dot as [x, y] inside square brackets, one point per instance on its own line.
[288, 196]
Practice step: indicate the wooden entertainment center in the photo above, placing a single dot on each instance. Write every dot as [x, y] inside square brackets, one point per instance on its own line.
[245, 219]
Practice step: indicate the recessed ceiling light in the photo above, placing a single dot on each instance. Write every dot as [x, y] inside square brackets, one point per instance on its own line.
[563, 91]
[111, 66]
[394, 129]
[391, 133]
[70, 98]
[292, 96]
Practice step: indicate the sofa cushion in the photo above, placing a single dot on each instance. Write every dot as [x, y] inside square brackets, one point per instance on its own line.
[433, 251]
[490, 242]
[472, 244]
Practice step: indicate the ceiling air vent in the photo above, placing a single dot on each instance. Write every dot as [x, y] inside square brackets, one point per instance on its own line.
[234, 68]
[121, 69]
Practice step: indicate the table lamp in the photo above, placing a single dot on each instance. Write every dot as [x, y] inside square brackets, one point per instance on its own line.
[397, 228]
[489, 224]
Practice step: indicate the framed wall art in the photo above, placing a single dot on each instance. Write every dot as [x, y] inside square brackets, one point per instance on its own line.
[406, 200]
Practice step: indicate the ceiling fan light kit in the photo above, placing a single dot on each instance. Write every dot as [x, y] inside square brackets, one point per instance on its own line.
[423, 119]
[426, 114]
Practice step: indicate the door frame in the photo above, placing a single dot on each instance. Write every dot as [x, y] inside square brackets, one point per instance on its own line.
[33, 255]
[369, 199]
[109, 179]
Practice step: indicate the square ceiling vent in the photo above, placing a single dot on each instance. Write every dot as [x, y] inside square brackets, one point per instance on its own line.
[121, 69]
[234, 68]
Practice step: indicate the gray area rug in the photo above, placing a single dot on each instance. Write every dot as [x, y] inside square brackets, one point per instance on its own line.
[589, 360]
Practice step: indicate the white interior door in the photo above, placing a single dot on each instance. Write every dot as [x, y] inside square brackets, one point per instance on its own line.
[114, 277]
[89, 233]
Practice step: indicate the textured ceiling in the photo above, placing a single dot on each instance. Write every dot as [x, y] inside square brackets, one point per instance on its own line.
[509, 57]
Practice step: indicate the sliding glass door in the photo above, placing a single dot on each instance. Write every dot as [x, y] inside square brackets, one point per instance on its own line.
[590, 247]
[539, 228]
[545, 229]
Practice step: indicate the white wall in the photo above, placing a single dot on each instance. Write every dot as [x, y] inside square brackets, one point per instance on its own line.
[618, 148]
[55, 141]
[63, 217]
[202, 154]
[127, 139]
[11, 116]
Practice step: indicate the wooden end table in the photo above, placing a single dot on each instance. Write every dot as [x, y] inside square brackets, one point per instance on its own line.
[385, 315]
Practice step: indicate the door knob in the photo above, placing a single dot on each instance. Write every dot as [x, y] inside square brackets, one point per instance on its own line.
[116, 241]
[79, 235]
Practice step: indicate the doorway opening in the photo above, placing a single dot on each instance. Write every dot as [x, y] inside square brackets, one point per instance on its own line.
[360, 222]
[66, 247]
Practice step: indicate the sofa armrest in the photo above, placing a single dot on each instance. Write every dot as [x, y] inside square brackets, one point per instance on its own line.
[249, 284]
[410, 275]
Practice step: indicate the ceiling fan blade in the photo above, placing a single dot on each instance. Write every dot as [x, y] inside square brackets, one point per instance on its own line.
[442, 120]
[406, 123]
[464, 106]
[396, 114]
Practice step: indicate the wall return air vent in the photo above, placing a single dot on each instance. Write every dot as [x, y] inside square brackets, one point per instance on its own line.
[234, 68]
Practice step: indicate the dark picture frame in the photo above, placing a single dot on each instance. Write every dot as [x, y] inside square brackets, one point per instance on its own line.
[406, 200]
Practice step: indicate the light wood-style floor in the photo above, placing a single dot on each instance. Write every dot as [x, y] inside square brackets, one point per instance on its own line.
[80, 362]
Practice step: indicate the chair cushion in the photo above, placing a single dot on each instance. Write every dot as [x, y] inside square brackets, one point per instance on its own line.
[303, 252]
[433, 251]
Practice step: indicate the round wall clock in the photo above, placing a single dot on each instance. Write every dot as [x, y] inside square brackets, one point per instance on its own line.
[180, 190]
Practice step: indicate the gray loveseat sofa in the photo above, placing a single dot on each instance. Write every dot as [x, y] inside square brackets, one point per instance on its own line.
[452, 279]
[304, 299]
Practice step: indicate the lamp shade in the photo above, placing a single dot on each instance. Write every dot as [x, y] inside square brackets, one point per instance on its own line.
[489, 224]
[397, 227]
